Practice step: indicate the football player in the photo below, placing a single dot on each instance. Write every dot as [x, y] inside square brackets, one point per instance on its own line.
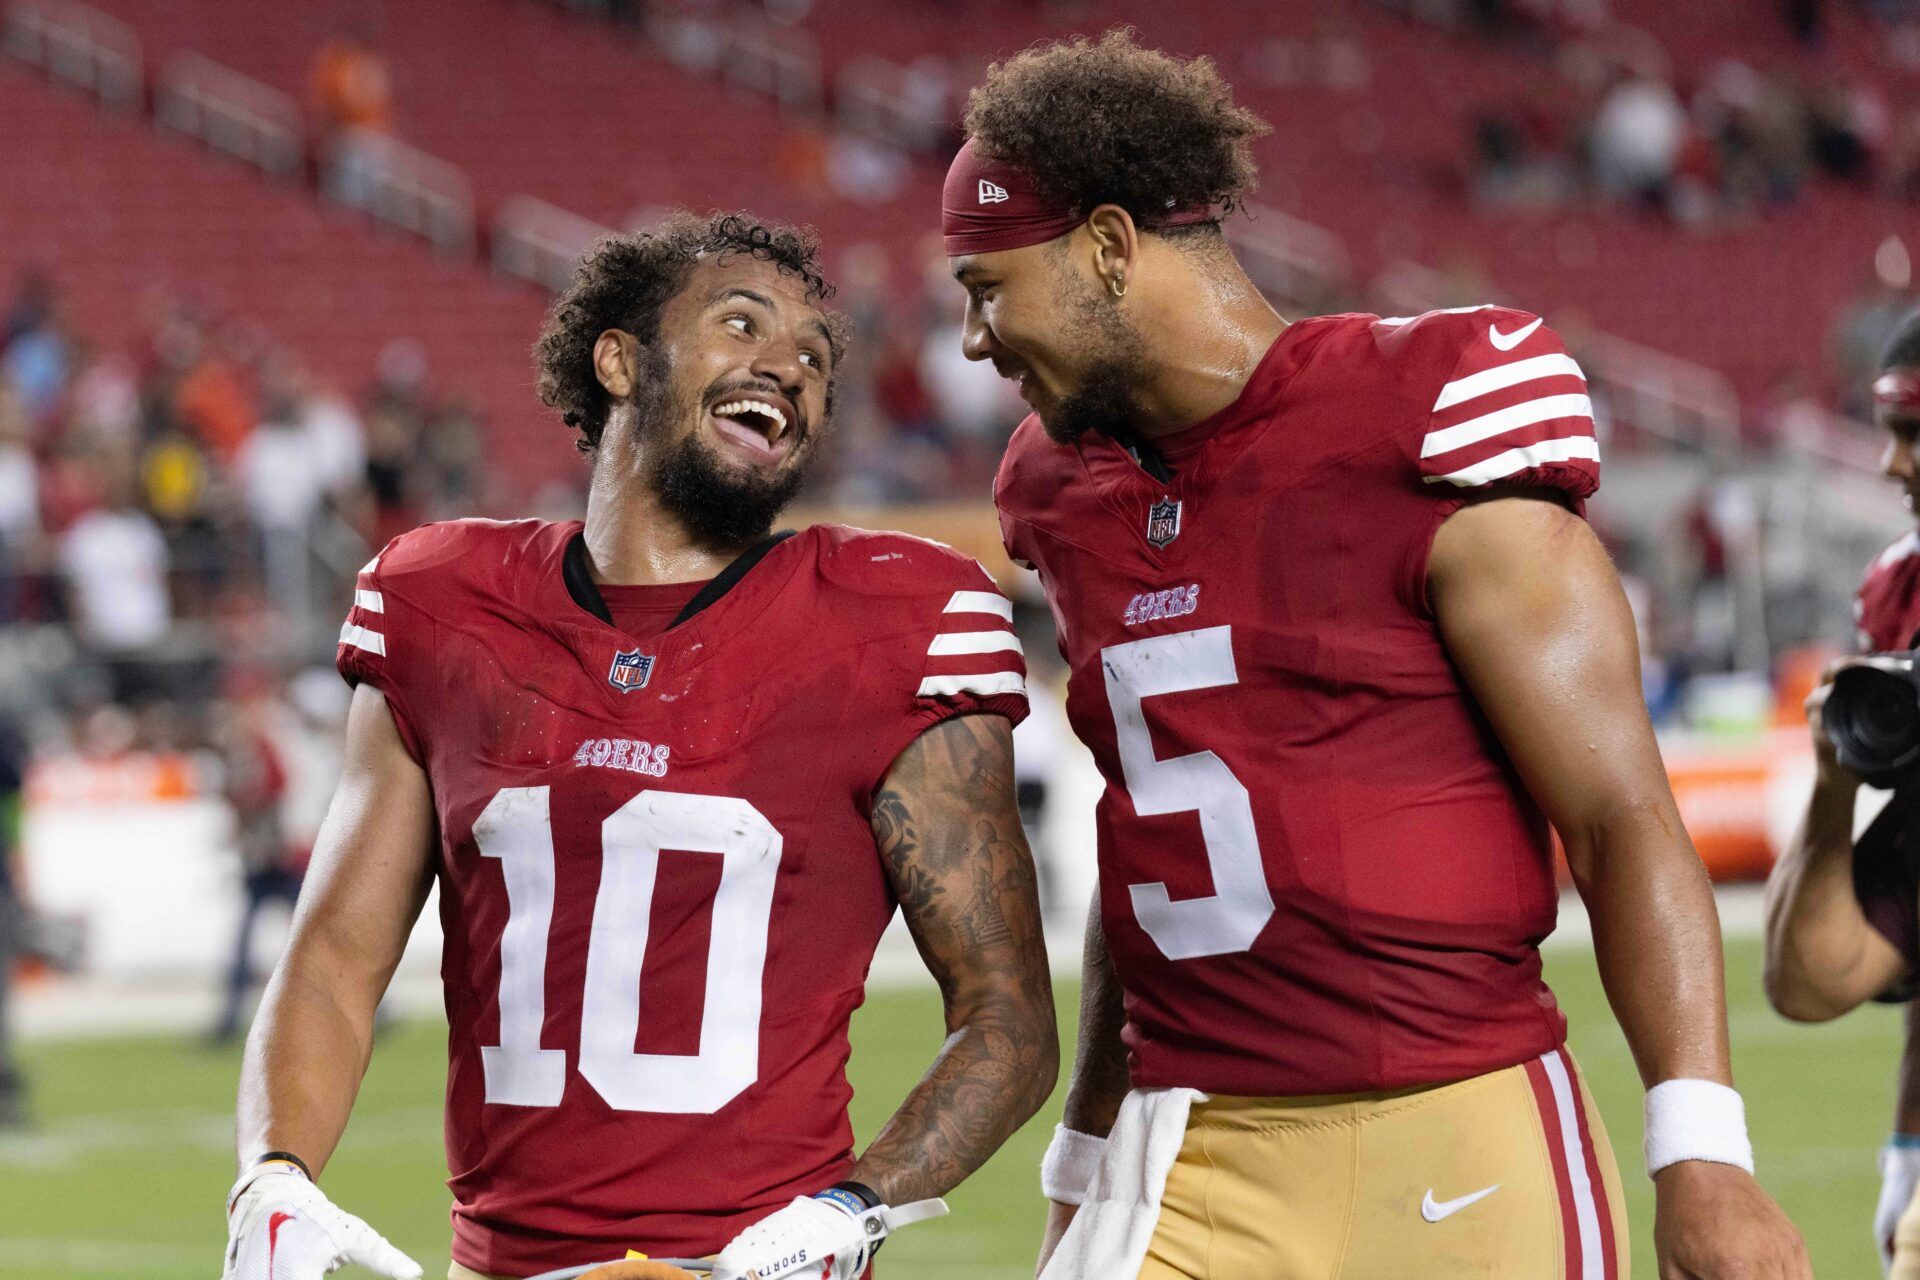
[672, 775]
[1345, 650]
[1837, 935]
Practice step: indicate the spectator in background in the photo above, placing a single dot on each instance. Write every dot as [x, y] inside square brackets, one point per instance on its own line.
[35, 356]
[352, 95]
[19, 501]
[1638, 136]
[254, 784]
[115, 564]
[13, 920]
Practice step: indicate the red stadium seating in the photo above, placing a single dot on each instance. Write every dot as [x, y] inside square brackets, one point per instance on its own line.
[528, 98]
[117, 210]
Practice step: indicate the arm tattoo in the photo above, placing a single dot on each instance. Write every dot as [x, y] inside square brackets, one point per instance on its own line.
[948, 831]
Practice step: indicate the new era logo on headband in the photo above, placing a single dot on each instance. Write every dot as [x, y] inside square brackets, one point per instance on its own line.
[990, 193]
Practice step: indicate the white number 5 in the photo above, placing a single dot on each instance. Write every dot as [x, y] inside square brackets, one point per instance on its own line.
[1230, 918]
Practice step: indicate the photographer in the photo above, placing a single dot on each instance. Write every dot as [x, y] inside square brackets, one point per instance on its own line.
[1843, 922]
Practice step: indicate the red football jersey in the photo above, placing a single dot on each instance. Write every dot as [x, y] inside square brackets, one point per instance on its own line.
[658, 884]
[1886, 612]
[1319, 872]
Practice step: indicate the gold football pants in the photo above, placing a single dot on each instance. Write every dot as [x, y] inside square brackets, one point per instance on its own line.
[1506, 1176]
[1906, 1243]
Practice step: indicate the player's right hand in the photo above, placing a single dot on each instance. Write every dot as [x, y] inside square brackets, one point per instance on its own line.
[1899, 1178]
[282, 1227]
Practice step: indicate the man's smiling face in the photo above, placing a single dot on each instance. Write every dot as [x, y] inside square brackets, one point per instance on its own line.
[732, 395]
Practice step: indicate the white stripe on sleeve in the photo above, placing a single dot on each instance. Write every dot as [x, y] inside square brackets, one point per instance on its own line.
[1501, 465]
[361, 638]
[371, 601]
[955, 643]
[981, 685]
[370, 565]
[1502, 376]
[1593, 1262]
[1501, 421]
[980, 602]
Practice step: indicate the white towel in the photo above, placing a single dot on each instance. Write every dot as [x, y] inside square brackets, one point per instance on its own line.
[1109, 1236]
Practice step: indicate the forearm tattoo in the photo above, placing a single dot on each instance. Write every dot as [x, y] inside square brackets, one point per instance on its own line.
[949, 833]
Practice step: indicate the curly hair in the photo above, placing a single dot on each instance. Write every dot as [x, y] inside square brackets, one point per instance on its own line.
[1108, 122]
[625, 281]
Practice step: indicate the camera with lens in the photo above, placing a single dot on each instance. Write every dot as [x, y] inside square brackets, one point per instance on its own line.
[1872, 718]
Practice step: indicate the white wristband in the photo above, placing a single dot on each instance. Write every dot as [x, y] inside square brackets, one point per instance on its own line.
[1067, 1171]
[1696, 1120]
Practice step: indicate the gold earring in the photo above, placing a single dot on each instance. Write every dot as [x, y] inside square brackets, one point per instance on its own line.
[1118, 285]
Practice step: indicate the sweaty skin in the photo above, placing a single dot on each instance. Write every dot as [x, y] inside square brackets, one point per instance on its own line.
[945, 820]
[1532, 613]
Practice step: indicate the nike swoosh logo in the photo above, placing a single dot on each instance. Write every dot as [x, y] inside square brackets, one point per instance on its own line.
[1437, 1212]
[1508, 341]
[273, 1237]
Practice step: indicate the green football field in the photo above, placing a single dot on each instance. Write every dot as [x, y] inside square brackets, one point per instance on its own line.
[124, 1174]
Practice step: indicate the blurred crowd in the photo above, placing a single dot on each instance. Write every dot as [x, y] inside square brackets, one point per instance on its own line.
[183, 496]
[1739, 142]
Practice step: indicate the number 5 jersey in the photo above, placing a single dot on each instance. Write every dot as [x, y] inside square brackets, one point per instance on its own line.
[659, 890]
[1319, 873]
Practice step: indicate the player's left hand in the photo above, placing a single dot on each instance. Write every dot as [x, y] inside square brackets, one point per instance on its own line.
[817, 1238]
[1713, 1222]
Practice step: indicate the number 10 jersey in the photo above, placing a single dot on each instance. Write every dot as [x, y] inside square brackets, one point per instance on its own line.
[1319, 873]
[659, 888]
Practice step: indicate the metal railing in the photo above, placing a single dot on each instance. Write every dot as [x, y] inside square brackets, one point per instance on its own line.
[403, 186]
[880, 98]
[81, 46]
[232, 113]
[1293, 261]
[540, 242]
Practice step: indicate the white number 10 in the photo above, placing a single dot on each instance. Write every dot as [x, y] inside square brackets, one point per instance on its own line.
[516, 828]
[1231, 917]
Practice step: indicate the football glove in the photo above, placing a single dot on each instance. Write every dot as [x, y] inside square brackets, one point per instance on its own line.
[1899, 1177]
[280, 1226]
[817, 1238]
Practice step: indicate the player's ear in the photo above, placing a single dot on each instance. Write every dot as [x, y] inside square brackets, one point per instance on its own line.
[616, 362]
[1116, 247]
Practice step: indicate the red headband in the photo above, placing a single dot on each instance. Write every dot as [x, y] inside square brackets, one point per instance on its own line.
[988, 205]
[1895, 389]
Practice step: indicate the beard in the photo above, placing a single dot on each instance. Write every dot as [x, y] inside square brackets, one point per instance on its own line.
[1105, 399]
[719, 503]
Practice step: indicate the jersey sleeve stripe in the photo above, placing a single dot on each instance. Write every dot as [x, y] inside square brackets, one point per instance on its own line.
[984, 686]
[1502, 376]
[981, 602]
[1501, 421]
[958, 642]
[371, 601]
[370, 565]
[359, 637]
[1513, 461]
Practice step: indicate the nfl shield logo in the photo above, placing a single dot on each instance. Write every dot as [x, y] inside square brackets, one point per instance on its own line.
[630, 670]
[1163, 522]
